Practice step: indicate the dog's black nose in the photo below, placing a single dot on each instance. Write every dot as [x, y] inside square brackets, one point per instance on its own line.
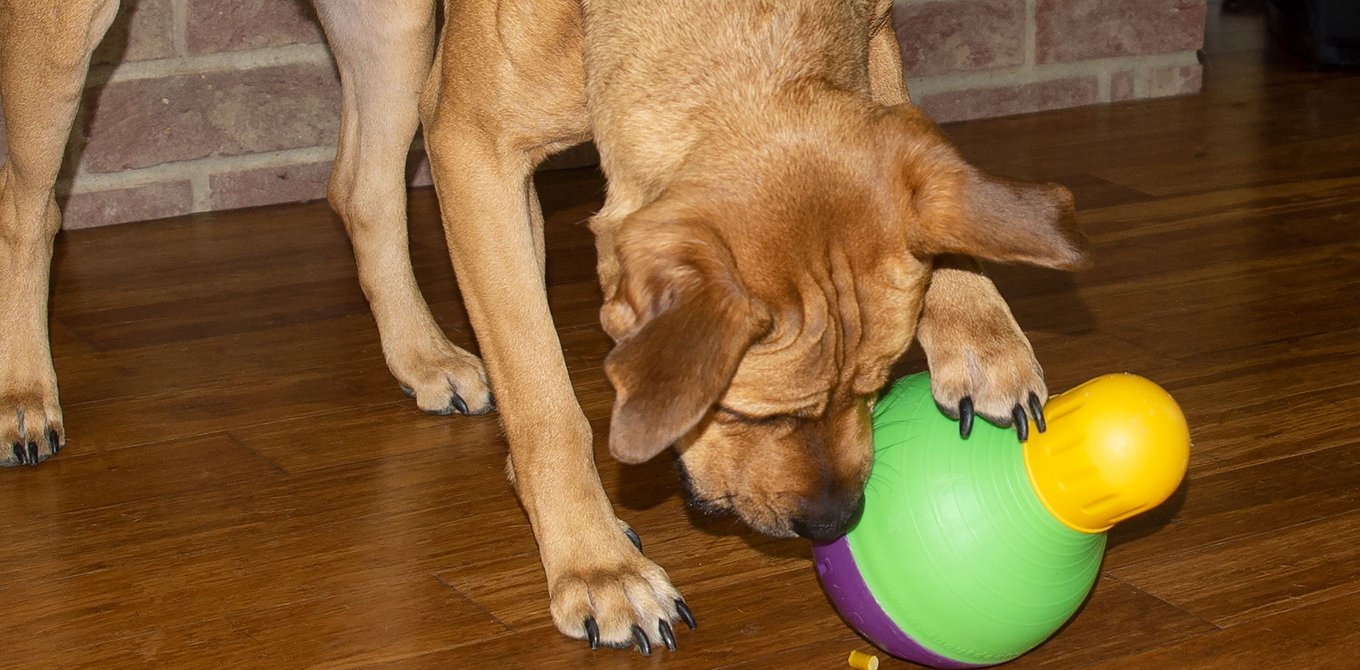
[832, 523]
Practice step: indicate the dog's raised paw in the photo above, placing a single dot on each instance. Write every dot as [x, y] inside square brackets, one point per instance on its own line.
[628, 604]
[981, 363]
[30, 429]
[997, 379]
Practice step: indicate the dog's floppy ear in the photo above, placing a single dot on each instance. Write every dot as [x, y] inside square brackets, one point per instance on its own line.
[683, 322]
[959, 209]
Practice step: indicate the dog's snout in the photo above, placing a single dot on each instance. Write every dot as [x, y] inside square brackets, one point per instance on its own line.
[826, 522]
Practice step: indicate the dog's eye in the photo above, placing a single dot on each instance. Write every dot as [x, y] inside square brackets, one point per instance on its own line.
[729, 415]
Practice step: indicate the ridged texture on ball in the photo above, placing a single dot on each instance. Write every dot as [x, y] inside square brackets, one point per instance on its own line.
[1116, 446]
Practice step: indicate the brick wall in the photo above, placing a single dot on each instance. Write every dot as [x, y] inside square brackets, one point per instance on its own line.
[968, 59]
[196, 105]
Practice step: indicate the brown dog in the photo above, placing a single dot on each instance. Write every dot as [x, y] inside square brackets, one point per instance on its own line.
[779, 224]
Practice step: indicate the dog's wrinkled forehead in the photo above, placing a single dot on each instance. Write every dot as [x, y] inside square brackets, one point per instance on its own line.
[838, 333]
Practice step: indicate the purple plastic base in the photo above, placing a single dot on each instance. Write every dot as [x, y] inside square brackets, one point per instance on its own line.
[840, 577]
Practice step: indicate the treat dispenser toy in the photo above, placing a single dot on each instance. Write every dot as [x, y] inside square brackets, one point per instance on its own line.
[973, 551]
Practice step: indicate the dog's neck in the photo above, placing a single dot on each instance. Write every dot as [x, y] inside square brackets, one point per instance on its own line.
[667, 81]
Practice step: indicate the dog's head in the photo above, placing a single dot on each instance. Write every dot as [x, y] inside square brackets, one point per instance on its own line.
[761, 304]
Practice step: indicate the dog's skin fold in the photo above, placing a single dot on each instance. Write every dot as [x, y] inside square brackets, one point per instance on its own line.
[780, 223]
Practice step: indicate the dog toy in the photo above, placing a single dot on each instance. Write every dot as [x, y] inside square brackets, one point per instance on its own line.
[971, 552]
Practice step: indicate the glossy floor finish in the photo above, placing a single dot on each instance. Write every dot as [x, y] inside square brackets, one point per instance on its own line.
[246, 487]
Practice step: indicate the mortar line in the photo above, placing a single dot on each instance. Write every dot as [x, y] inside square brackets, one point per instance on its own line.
[201, 192]
[1032, 32]
[1011, 76]
[85, 182]
[179, 27]
[295, 54]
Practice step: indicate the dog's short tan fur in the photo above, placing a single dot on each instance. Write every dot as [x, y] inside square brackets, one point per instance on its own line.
[779, 225]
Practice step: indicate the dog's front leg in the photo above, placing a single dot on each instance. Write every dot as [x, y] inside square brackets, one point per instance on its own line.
[980, 360]
[44, 54]
[602, 588]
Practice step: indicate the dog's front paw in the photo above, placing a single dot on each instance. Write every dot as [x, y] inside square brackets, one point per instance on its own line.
[981, 363]
[443, 379]
[993, 375]
[613, 596]
[30, 421]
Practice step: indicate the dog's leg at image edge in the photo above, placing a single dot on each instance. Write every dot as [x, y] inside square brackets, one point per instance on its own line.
[45, 52]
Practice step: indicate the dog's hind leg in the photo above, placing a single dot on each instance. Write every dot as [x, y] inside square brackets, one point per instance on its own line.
[44, 55]
[384, 51]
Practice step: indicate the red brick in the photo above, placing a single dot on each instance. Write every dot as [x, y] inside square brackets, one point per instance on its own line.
[139, 123]
[141, 203]
[1175, 80]
[141, 31]
[987, 102]
[960, 35]
[1071, 30]
[235, 25]
[291, 183]
[268, 186]
[1121, 85]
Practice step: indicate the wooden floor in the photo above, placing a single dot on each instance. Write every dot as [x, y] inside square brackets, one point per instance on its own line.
[246, 487]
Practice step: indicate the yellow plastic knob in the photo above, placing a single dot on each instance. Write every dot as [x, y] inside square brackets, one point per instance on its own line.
[1115, 446]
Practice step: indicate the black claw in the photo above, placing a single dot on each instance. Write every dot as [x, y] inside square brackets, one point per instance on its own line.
[18, 450]
[408, 391]
[633, 537]
[685, 615]
[458, 404]
[1021, 423]
[32, 452]
[592, 632]
[644, 645]
[667, 635]
[1037, 409]
[966, 417]
[53, 440]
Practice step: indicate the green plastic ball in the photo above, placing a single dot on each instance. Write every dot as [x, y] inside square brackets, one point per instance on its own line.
[954, 543]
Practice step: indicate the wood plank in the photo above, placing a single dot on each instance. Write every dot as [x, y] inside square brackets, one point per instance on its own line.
[245, 486]
[1239, 507]
[1237, 581]
[339, 544]
[1323, 637]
